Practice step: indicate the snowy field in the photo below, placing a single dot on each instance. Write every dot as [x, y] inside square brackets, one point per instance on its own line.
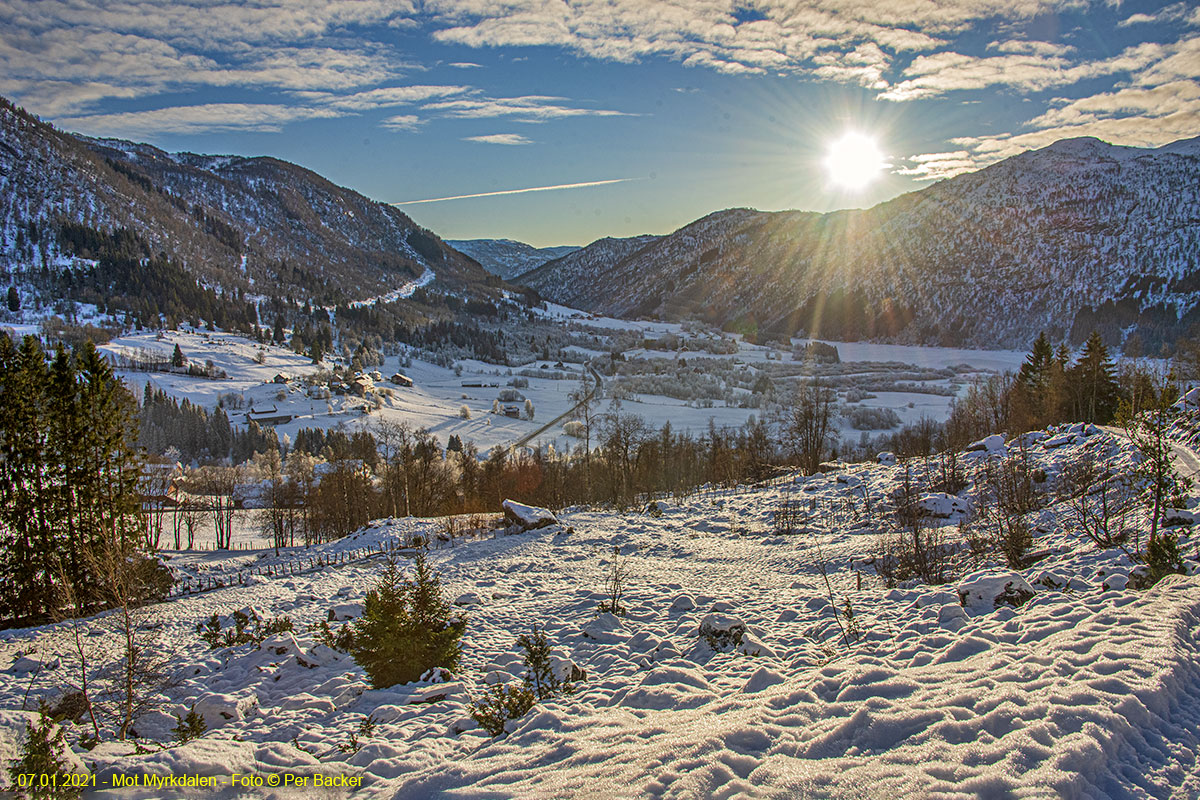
[1088, 690]
[436, 399]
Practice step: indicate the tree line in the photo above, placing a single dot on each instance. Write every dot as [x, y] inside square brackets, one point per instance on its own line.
[70, 500]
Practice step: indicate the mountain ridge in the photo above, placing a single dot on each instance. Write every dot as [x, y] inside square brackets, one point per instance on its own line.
[1078, 235]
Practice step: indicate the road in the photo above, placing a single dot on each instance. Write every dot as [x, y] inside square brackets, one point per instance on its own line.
[1186, 459]
[527, 438]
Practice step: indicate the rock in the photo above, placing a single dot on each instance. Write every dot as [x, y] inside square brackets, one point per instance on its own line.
[527, 518]
[943, 506]
[322, 655]
[887, 458]
[722, 631]
[986, 590]
[345, 611]
[565, 669]
[762, 679]
[988, 444]
[219, 709]
[751, 645]
[26, 665]
[606, 628]
[1178, 516]
[682, 602]
[468, 599]
[1116, 582]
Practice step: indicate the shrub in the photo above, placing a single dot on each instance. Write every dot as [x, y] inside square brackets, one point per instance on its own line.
[407, 627]
[1162, 559]
[210, 630]
[539, 675]
[789, 515]
[614, 586]
[42, 755]
[343, 640]
[464, 412]
[190, 727]
[501, 703]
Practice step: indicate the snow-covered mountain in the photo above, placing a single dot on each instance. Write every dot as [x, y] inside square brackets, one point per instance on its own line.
[259, 225]
[507, 258]
[574, 273]
[1078, 235]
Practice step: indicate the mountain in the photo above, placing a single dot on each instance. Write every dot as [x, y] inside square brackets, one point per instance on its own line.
[1078, 235]
[248, 226]
[507, 258]
[573, 275]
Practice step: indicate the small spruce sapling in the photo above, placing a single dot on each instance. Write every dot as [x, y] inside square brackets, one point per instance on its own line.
[41, 767]
[191, 726]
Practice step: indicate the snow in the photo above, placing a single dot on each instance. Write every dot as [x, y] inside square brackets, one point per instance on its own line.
[401, 292]
[1085, 689]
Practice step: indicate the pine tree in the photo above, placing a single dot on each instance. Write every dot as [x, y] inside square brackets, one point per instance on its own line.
[177, 358]
[406, 628]
[1094, 381]
[14, 299]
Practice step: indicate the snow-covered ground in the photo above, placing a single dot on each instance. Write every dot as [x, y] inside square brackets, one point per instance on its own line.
[1087, 690]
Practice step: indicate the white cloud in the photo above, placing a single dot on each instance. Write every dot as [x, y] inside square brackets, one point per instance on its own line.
[499, 138]
[1176, 12]
[383, 97]
[403, 122]
[205, 118]
[530, 108]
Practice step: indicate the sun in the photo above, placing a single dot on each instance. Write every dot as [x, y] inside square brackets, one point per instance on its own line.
[854, 160]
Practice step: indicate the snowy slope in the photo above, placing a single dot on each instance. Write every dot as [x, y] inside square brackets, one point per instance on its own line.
[258, 225]
[507, 258]
[1088, 690]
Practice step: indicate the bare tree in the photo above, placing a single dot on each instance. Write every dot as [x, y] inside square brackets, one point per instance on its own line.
[806, 423]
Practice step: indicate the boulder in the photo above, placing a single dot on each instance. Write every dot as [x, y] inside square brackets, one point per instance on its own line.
[527, 518]
[722, 631]
[986, 590]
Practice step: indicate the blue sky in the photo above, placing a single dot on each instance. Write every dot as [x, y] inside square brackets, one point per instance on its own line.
[671, 110]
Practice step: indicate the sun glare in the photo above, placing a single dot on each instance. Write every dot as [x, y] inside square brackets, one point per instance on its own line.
[854, 161]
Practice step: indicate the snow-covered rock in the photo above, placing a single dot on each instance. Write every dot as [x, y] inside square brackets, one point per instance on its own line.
[605, 628]
[527, 517]
[721, 631]
[887, 458]
[345, 611]
[468, 599]
[682, 602]
[944, 506]
[988, 444]
[986, 590]
[220, 709]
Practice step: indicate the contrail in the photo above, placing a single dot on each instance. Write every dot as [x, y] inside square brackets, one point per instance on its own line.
[516, 191]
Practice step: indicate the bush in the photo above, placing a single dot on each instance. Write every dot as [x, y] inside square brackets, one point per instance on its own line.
[614, 586]
[210, 630]
[464, 412]
[501, 703]
[42, 755]
[1162, 559]
[343, 640]
[406, 628]
[190, 727]
[539, 675]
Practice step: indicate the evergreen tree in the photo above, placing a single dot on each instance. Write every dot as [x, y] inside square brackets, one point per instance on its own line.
[406, 628]
[14, 299]
[1093, 379]
[177, 358]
